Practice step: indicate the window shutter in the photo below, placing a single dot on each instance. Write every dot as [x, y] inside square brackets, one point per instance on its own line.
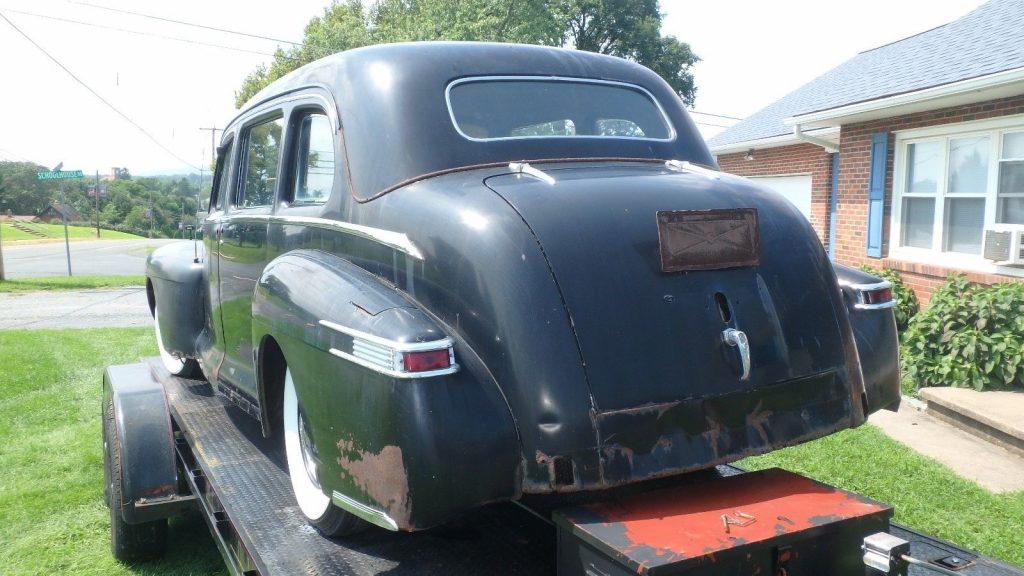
[876, 192]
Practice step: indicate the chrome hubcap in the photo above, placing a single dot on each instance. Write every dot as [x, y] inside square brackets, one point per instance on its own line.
[309, 459]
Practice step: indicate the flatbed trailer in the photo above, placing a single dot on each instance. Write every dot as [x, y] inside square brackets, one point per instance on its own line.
[173, 443]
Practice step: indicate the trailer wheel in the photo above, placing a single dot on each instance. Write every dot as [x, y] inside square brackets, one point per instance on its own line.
[128, 542]
[184, 367]
[303, 468]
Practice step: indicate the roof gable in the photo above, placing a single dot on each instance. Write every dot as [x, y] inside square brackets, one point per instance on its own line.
[984, 41]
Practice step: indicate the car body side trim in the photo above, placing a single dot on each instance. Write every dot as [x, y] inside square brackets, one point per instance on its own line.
[397, 240]
[371, 515]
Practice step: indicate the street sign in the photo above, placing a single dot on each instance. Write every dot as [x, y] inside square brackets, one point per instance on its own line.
[92, 190]
[59, 175]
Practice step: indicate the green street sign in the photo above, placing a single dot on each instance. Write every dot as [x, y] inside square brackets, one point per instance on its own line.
[59, 175]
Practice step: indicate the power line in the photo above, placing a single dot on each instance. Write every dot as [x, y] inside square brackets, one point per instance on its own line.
[711, 124]
[715, 115]
[138, 32]
[183, 23]
[97, 94]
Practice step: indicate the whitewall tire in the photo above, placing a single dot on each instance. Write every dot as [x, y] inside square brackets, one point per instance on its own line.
[303, 467]
[185, 367]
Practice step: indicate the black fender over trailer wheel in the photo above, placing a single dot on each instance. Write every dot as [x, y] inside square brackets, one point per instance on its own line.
[128, 542]
[140, 467]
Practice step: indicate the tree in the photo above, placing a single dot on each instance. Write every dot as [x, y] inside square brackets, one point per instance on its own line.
[626, 28]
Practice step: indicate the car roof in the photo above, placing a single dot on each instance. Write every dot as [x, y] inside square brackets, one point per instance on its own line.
[390, 100]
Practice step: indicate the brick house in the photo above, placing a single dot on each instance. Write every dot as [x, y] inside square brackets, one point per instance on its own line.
[902, 156]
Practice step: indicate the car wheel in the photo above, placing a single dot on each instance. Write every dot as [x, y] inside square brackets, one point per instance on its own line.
[303, 467]
[128, 542]
[184, 367]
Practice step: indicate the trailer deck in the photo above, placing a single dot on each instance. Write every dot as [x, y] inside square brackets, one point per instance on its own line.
[241, 483]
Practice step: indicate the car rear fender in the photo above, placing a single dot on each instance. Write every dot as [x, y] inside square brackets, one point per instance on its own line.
[175, 284]
[415, 450]
[874, 330]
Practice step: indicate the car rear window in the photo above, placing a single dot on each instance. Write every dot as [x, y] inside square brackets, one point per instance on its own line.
[516, 107]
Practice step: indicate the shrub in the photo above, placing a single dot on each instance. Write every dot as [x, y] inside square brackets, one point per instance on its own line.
[969, 335]
[906, 301]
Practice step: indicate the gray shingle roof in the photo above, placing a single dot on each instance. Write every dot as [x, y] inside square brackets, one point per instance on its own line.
[990, 39]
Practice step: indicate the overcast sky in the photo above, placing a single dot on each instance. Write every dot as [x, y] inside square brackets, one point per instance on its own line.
[752, 52]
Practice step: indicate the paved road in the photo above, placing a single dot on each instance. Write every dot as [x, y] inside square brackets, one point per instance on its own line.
[74, 309]
[88, 257]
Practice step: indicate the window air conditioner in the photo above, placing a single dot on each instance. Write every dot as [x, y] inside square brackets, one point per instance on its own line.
[1003, 244]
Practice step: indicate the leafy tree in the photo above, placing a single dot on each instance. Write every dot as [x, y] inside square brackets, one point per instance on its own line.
[626, 28]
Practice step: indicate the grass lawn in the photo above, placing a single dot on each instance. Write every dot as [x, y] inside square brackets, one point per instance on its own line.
[56, 231]
[70, 283]
[927, 496]
[52, 516]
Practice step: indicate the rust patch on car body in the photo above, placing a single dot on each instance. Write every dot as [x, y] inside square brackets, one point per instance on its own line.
[381, 476]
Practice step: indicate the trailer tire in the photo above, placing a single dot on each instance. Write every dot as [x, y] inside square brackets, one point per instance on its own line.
[128, 542]
[316, 506]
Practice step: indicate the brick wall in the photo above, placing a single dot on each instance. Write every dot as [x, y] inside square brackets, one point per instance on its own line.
[854, 171]
[796, 159]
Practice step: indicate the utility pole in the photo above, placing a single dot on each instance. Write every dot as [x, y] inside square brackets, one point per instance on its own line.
[213, 139]
[96, 191]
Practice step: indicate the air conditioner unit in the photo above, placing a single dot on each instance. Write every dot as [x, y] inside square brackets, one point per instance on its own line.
[1003, 244]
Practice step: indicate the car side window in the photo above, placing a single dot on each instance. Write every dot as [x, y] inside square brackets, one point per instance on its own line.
[219, 186]
[314, 160]
[262, 155]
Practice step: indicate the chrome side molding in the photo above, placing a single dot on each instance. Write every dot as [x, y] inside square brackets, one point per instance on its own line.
[371, 515]
[396, 240]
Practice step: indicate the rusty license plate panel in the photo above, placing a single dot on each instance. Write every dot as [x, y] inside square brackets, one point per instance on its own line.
[708, 239]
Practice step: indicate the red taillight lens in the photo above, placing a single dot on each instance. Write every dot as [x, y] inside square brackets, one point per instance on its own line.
[426, 361]
[879, 296]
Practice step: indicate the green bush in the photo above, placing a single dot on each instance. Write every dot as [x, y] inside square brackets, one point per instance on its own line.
[969, 335]
[906, 301]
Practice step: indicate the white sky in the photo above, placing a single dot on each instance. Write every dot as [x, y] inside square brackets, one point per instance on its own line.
[753, 53]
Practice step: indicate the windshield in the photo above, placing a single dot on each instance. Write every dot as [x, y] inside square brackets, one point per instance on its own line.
[519, 107]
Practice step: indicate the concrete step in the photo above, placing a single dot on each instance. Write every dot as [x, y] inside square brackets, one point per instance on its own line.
[996, 416]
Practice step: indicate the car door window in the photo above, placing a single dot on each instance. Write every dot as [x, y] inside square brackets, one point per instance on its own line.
[314, 160]
[219, 186]
[262, 155]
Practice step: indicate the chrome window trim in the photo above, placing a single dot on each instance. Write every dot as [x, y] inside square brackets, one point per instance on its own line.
[505, 78]
[397, 240]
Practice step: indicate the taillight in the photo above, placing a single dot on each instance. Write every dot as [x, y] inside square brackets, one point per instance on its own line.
[426, 361]
[873, 296]
[393, 357]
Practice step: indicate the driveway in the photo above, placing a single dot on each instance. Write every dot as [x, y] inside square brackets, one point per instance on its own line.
[75, 309]
[88, 258]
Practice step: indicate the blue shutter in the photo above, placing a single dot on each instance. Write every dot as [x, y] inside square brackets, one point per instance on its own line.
[876, 192]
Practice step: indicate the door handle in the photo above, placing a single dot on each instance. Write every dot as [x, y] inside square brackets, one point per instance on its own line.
[737, 339]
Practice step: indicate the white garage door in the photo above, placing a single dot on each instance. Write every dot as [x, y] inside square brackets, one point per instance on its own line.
[796, 189]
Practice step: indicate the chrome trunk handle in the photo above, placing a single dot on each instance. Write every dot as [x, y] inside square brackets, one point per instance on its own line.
[737, 339]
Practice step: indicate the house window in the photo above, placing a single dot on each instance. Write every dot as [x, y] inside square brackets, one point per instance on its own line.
[949, 187]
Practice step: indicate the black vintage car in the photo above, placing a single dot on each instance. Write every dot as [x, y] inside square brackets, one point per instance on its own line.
[448, 274]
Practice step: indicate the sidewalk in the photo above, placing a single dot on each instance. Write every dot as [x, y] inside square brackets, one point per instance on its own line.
[59, 309]
[993, 467]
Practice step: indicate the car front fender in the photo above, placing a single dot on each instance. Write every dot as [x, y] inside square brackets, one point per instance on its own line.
[175, 284]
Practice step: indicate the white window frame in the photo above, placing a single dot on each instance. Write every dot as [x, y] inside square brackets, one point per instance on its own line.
[994, 129]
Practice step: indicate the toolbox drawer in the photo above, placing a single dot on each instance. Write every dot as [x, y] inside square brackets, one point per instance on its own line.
[779, 524]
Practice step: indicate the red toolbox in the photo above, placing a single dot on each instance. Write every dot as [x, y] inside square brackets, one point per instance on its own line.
[772, 522]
